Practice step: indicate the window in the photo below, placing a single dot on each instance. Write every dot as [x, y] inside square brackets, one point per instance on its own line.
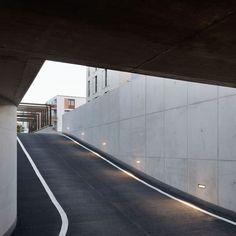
[105, 77]
[89, 88]
[96, 84]
[69, 103]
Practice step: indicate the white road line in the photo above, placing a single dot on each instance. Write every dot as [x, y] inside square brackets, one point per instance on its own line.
[64, 226]
[152, 187]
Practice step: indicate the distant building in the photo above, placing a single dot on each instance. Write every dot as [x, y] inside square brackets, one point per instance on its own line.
[62, 104]
[100, 81]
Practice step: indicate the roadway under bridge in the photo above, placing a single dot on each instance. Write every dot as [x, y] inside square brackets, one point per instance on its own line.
[187, 40]
[97, 198]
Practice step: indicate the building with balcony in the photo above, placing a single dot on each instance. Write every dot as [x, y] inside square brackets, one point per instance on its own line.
[62, 104]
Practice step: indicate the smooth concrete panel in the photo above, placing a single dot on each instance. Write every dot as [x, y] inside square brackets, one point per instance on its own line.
[96, 136]
[125, 101]
[80, 117]
[126, 159]
[7, 116]
[74, 126]
[97, 112]
[175, 138]
[227, 128]
[113, 106]
[137, 135]
[65, 122]
[104, 108]
[138, 97]
[112, 140]
[201, 92]
[154, 94]
[83, 134]
[90, 118]
[7, 152]
[125, 138]
[226, 91]
[104, 141]
[203, 172]
[84, 117]
[176, 173]
[227, 184]
[8, 210]
[175, 93]
[155, 167]
[155, 134]
[202, 130]
[8, 193]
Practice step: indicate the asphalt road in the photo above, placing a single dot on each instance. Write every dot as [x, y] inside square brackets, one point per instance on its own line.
[97, 198]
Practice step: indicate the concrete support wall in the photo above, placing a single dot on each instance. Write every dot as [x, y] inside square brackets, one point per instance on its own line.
[181, 133]
[7, 166]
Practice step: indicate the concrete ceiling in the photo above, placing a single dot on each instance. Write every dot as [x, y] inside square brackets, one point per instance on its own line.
[183, 39]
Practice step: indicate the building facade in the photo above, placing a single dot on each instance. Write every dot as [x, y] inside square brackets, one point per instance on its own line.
[62, 104]
[101, 81]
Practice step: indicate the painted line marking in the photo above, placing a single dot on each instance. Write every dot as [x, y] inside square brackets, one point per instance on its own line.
[153, 187]
[64, 219]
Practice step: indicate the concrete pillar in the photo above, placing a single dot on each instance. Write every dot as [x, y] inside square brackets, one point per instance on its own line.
[8, 167]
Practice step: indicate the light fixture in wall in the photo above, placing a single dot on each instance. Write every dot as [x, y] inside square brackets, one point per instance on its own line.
[68, 128]
[104, 143]
[82, 133]
[203, 186]
[138, 162]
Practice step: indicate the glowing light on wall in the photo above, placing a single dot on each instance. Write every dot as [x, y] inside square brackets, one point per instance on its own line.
[202, 186]
[104, 144]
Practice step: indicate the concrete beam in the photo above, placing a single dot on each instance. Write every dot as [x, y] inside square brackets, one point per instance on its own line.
[184, 40]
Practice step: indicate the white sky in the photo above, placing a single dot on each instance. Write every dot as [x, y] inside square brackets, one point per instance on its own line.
[56, 78]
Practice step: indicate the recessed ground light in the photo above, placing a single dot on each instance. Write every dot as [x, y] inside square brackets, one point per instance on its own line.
[68, 128]
[201, 186]
[82, 133]
[104, 144]
[138, 162]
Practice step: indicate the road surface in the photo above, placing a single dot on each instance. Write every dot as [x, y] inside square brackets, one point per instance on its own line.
[97, 198]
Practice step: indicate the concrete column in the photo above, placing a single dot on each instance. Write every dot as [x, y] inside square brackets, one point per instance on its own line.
[8, 167]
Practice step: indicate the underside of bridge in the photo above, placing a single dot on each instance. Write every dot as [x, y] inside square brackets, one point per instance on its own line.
[189, 40]
[186, 40]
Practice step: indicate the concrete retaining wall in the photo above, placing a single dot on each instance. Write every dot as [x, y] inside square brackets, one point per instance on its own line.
[181, 133]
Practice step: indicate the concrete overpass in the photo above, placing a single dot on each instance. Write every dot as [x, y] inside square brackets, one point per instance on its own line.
[188, 40]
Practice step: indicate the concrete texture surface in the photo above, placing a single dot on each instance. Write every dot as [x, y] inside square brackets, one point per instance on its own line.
[188, 40]
[7, 166]
[182, 133]
[97, 198]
